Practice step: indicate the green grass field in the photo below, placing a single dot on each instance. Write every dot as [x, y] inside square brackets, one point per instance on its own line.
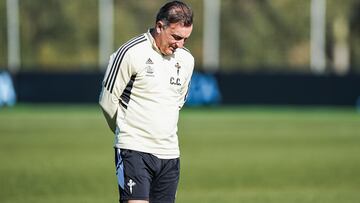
[58, 154]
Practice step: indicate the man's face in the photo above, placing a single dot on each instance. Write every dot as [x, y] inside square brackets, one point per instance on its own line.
[172, 37]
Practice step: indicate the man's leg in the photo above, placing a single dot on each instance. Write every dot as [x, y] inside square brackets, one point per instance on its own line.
[164, 186]
[137, 172]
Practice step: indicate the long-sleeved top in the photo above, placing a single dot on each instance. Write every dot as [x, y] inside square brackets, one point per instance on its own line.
[142, 93]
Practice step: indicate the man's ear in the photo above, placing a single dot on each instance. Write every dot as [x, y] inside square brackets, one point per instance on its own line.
[159, 26]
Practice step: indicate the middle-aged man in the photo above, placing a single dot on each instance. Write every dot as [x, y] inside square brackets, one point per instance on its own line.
[145, 86]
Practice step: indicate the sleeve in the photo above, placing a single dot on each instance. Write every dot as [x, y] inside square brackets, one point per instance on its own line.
[185, 90]
[117, 75]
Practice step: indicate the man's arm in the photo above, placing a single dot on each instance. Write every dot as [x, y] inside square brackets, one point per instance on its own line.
[185, 89]
[116, 77]
[109, 104]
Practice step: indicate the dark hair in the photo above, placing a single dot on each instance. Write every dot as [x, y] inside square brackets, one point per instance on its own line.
[175, 12]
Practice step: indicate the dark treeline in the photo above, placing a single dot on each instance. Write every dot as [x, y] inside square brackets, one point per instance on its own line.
[256, 35]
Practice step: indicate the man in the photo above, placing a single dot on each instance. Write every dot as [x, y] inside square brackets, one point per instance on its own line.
[144, 87]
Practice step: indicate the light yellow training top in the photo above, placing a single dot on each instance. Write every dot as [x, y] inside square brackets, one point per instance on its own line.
[142, 93]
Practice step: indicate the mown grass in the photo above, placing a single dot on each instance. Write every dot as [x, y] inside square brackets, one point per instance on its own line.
[58, 153]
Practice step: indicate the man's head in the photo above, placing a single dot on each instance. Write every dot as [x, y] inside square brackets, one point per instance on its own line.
[174, 23]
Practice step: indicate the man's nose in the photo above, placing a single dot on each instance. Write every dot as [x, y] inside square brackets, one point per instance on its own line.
[180, 44]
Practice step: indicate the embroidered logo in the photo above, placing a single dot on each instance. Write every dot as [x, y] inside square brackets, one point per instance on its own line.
[149, 70]
[175, 81]
[131, 183]
[149, 61]
[177, 65]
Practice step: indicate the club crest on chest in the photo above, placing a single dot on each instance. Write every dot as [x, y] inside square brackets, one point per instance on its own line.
[177, 66]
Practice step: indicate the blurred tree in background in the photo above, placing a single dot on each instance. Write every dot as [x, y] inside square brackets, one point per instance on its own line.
[59, 34]
[265, 34]
[256, 35]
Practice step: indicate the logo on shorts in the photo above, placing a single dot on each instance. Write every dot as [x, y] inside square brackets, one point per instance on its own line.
[131, 183]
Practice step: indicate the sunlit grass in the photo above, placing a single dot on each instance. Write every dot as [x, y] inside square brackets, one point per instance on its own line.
[228, 154]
